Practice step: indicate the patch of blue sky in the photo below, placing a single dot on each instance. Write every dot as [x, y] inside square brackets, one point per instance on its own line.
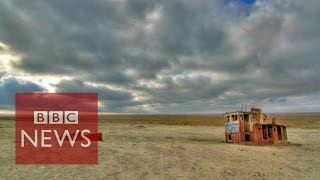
[247, 1]
[245, 6]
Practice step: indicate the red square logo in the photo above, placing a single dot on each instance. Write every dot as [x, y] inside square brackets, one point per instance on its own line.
[56, 128]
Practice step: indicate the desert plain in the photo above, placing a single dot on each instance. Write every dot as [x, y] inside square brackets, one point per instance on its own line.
[179, 147]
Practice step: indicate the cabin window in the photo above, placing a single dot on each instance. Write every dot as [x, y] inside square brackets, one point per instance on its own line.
[247, 137]
[264, 131]
[227, 118]
[246, 117]
[234, 117]
[285, 133]
[270, 134]
[279, 133]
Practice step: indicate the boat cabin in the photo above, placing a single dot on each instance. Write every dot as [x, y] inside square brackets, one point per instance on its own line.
[252, 127]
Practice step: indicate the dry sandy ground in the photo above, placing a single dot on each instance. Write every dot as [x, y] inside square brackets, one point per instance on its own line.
[175, 152]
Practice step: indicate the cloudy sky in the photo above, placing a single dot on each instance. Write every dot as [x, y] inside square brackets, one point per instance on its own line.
[158, 56]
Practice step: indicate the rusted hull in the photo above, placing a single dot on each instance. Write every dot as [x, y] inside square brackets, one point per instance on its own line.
[260, 134]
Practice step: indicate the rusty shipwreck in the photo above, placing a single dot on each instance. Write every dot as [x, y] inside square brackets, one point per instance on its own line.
[252, 127]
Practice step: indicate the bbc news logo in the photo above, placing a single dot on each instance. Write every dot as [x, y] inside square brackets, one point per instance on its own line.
[56, 128]
[56, 117]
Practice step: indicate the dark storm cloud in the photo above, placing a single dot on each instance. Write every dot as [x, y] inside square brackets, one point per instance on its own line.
[110, 100]
[185, 90]
[9, 86]
[65, 37]
[104, 92]
[163, 56]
